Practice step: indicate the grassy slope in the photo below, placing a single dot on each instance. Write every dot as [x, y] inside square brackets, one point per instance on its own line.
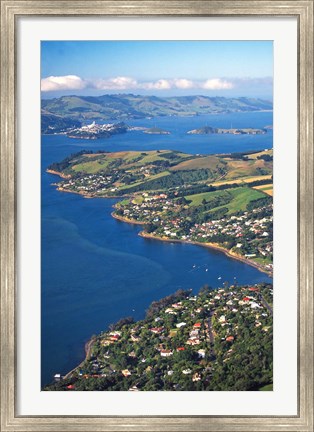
[241, 197]
[236, 171]
[197, 199]
[210, 162]
[240, 168]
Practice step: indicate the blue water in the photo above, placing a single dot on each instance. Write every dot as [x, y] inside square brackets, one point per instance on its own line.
[96, 269]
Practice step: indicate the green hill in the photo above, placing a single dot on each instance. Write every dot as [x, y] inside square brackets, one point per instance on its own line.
[129, 106]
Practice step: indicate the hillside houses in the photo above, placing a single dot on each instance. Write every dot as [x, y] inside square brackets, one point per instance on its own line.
[184, 351]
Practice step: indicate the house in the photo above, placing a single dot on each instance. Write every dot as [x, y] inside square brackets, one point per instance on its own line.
[156, 329]
[193, 342]
[197, 325]
[126, 372]
[166, 353]
[201, 353]
[255, 305]
[196, 377]
[181, 324]
[186, 371]
[230, 338]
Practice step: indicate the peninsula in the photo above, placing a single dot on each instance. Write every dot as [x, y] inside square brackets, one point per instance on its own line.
[218, 201]
[218, 340]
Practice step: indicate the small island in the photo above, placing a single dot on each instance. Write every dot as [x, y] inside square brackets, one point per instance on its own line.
[208, 130]
[156, 131]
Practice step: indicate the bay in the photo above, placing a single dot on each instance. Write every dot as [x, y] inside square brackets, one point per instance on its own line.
[95, 269]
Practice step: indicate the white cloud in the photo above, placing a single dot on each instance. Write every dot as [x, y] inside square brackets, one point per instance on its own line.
[67, 82]
[117, 83]
[183, 83]
[161, 84]
[74, 82]
[217, 84]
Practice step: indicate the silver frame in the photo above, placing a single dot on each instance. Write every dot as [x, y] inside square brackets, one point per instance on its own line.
[303, 10]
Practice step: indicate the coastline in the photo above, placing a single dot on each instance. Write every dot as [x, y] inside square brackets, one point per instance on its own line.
[88, 347]
[124, 219]
[165, 239]
[82, 193]
[210, 246]
[58, 173]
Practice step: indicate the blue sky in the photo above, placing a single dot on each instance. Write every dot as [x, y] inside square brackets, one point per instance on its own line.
[162, 68]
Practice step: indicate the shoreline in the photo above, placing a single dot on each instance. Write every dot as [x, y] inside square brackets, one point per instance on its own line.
[58, 173]
[165, 239]
[82, 193]
[124, 219]
[88, 347]
[209, 246]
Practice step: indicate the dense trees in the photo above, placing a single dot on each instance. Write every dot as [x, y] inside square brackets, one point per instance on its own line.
[238, 356]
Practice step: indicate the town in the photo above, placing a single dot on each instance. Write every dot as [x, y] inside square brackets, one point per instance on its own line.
[217, 340]
[220, 201]
[95, 131]
[248, 234]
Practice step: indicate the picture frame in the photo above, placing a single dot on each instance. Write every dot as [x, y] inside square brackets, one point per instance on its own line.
[10, 11]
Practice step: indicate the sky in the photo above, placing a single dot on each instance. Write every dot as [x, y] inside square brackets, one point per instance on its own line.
[160, 68]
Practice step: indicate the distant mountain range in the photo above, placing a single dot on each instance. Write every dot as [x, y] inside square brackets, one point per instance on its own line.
[77, 110]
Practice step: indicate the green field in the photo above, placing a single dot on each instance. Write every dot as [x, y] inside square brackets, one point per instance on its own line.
[262, 261]
[241, 196]
[136, 171]
[197, 199]
[92, 167]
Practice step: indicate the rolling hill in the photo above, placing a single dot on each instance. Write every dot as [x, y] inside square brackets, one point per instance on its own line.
[129, 106]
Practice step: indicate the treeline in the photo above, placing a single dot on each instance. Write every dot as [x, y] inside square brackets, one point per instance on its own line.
[158, 305]
[179, 178]
[202, 188]
[65, 163]
[261, 202]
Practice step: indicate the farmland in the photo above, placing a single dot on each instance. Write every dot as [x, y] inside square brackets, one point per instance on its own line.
[225, 200]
